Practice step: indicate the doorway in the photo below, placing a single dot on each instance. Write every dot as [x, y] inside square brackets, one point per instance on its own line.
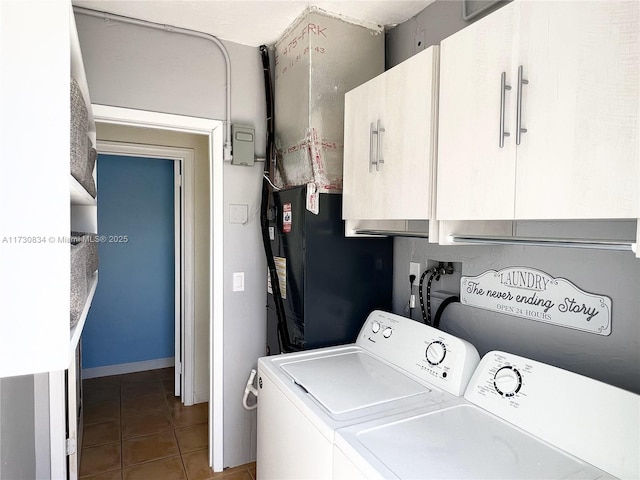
[212, 130]
[132, 315]
[181, 204]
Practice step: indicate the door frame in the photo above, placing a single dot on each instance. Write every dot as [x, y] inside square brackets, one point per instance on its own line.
[184, 285]
[213, 130]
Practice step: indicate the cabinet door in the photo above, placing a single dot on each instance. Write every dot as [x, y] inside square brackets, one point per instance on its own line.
[580, 156]
[34, 220]
[407, 144]
[476, 178]
[361, 187]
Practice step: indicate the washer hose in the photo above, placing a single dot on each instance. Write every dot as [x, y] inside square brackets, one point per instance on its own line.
[426, 313]
[445, 303]
[250, 389]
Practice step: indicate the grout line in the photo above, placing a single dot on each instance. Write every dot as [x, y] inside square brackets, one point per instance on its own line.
[167, 411]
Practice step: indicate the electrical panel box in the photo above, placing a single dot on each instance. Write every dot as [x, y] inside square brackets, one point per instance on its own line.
[243, 140]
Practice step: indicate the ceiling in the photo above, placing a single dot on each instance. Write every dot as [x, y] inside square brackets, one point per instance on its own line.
[253, 22]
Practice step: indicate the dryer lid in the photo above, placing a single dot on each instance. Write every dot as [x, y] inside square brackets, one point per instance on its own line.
[466, 442]
[345, 382]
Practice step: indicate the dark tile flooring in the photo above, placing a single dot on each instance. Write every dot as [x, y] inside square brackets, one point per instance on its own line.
[135, 428]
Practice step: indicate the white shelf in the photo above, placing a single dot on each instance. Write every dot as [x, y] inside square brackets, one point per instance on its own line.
[79, 196]
[78, 72]
[76, 331]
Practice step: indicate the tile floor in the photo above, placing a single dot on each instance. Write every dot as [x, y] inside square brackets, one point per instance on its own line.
[135, 428]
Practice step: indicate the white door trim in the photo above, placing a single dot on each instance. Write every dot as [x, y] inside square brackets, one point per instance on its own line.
[179, 324]
[184, 257]
[213, 129]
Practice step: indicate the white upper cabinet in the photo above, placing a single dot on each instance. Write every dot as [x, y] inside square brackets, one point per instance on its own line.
[580, 155]
[572, 82]
[361, 185]
[390, 141]
[475, 175]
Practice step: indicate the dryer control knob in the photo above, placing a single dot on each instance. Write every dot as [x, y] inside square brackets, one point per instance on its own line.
[507, 381]
[375, 327]
[436, 351]
[386, 333]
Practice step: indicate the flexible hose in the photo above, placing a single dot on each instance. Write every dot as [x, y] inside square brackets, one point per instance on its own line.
[426, 312]
[283, 330]
[445, 303]
[250, 389]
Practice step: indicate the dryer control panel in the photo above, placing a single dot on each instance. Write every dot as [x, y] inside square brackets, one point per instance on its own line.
[587, 418]
[430, 354]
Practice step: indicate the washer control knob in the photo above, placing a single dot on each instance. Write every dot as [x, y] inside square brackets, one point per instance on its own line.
[375, 327]
[436, 351]
[386, 333]
[507, 381]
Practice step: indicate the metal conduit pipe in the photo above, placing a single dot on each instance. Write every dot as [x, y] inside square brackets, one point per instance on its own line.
[183, 31]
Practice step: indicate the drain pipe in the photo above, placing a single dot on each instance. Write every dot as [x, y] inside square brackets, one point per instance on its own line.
[183, 31]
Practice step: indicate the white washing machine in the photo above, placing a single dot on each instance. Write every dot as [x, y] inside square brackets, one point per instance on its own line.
[521, 419]
[395, 365]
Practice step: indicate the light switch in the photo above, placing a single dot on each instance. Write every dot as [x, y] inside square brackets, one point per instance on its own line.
[238, 281]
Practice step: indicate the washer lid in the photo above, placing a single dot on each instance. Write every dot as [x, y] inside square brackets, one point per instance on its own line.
[350, 381]
[467, 442]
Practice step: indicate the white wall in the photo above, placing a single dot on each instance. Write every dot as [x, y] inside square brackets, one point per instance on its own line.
[17, 428]
[613, 359]
[134, 67]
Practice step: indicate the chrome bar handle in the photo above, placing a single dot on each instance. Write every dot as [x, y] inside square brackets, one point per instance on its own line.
[521, 81]
[379, 158]
[372, 132]
[503, 91]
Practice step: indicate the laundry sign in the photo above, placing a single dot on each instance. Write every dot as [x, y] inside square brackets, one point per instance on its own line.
[530, 293]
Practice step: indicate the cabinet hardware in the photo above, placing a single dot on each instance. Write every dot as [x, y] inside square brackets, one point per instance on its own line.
[617, 245]
[503, 91]
[391, 233]
[372, 132]
[521, 82]
[379, 158]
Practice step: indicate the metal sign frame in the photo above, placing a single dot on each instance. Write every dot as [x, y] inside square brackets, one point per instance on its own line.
[533, 294]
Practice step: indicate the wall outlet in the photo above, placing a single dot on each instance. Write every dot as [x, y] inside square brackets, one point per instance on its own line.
[414, 269]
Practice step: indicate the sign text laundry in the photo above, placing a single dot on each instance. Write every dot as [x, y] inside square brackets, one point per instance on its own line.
[529, 293]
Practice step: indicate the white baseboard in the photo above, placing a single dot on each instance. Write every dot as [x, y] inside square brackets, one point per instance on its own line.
[200, 397]
[127, 368]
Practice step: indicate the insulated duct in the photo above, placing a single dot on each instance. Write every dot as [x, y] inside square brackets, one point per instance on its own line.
[318, 59]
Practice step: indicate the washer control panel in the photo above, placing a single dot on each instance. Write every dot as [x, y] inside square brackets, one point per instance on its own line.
[426, 352]
[436, 351]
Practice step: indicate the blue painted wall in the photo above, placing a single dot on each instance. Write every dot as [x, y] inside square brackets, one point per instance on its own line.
[132, 314]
